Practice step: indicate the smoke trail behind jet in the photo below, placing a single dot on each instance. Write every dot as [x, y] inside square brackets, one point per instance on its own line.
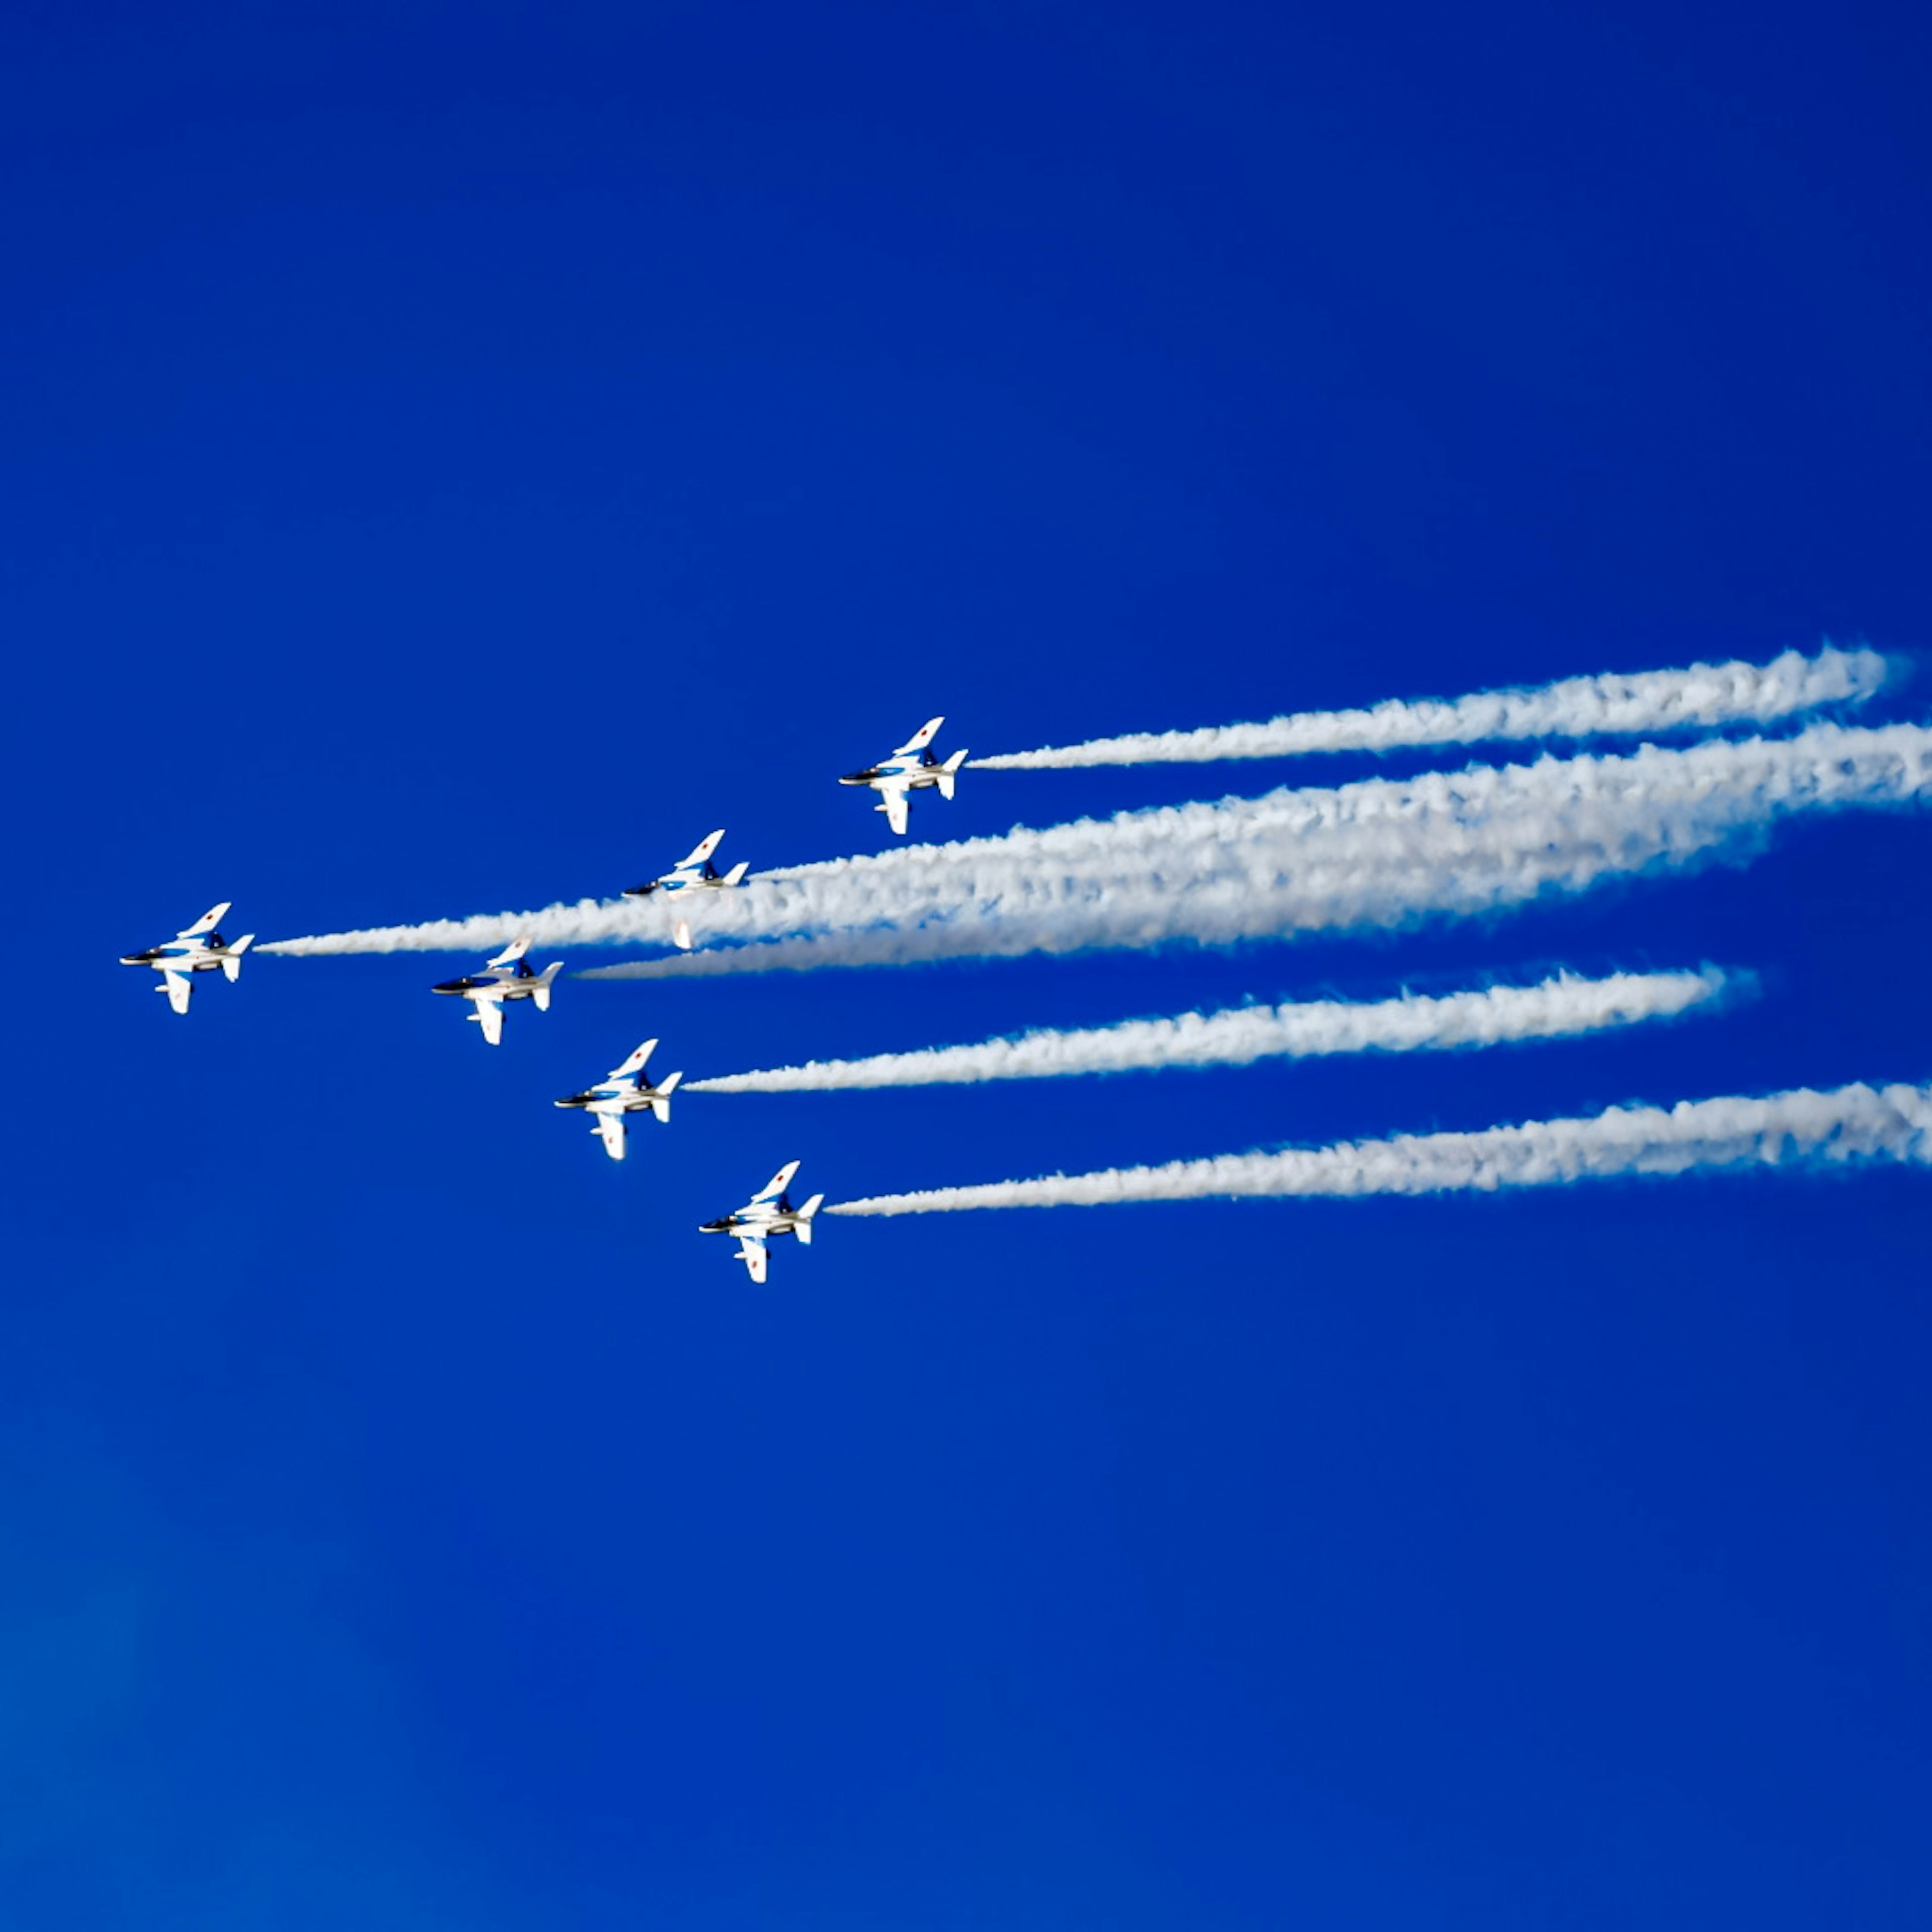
[1848, 1125]
[1381, 852]
[1488, 1017]
[1700, 698]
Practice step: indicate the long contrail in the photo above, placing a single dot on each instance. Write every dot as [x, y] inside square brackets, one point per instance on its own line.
[1698, 698]
[1488, 1017]
[1380, 852]
[1849, 1124]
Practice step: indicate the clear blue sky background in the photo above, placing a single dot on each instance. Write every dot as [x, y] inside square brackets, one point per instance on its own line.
[454, 456]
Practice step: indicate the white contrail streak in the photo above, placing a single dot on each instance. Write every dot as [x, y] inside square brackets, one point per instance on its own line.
[1380, 852]
[1848, 1124]
[1699, 698]
[1489, 1017]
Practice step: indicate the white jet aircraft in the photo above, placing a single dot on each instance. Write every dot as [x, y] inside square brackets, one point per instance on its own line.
[911, 768]
[199, 948]
[624, 1090]
[695, 874]
[768, 1213]
[508, 976]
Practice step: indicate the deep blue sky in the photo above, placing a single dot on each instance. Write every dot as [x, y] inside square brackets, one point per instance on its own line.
[452, 462]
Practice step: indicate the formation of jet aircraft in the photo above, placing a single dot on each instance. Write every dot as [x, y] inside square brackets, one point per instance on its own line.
[911, 768]
[508, 976]
[624, 1090]
[768, 1213]
[199, 948]
[693, 873]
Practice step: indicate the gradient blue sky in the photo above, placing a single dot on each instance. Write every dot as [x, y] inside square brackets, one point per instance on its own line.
[454, 458]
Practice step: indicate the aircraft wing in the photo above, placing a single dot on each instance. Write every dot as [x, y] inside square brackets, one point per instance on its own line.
[208, 922]
[920, 738]
[635, 1064]
[776, 1186]
[892, 803]
[705, 848]
[611, 1132]
[490, 1017]
[511, 953]
[751, 1252]
[177, 988]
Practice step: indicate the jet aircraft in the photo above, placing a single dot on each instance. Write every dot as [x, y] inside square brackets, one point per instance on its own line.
[768, 1213]
[624, 1090]
[911, 768]
[695, 873]
[200, 948]
[508, 976]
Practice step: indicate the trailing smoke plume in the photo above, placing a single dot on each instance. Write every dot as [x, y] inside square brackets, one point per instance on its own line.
[1849, 1124]
[1382, 852]
[1486, 1018]
[1696, 699]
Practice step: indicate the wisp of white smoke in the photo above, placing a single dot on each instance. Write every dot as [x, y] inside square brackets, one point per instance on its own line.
[1847, 1125]
[1490, 1016]
[1381, 852]
[1699, 698]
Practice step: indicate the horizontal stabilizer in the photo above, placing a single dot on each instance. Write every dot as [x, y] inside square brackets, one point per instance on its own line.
[810, 1208]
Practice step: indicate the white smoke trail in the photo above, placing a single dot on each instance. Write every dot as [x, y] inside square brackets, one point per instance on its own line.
[1848, 1124]
[1489, 1017]
[1381, 852]
[1698, 698]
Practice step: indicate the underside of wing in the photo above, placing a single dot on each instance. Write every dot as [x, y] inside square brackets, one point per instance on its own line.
[611, 1132]
[777, 1185]
[489, 1015]
[634, 1063]
[920, 738]
[892, 803]
[208, 922]
[752, 1254]
[701, 851]
[177, 988]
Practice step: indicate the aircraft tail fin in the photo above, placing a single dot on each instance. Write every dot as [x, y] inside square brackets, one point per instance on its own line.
[680, 935]
[540, 992]
[736, 876]
[803, 1229]
[949, 774]
[231, 964]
